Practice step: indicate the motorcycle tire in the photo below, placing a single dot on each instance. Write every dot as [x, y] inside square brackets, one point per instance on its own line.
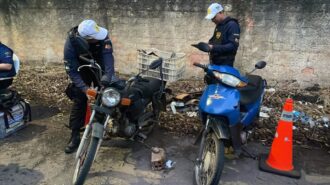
[218, 162]
[85, 167]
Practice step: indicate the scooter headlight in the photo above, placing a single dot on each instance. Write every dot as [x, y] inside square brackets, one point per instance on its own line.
[110, 97]
[229, 79]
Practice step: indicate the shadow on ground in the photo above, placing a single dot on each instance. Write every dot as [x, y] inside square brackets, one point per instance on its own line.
[15, 174]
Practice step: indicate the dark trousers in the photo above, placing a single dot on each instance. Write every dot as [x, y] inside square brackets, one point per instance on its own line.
[4, 84]
[78, 110]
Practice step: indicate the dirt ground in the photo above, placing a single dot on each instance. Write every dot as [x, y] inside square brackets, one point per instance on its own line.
[34, 155]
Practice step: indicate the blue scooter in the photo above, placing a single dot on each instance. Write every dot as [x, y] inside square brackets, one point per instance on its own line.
[228, 106]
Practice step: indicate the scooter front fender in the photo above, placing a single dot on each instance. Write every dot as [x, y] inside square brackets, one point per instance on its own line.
[219, 128]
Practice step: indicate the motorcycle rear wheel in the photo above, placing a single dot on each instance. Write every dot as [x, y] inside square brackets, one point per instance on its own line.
[84, 162]
[209, 171]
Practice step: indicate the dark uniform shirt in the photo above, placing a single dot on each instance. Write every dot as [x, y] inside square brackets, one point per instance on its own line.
[225, 41]
[102, 53]
[6, 57]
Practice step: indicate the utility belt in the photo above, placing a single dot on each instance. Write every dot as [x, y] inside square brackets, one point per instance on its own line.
[224, 57]
[223, 60]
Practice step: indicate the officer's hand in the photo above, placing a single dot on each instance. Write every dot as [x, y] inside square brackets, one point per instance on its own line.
[202, 46]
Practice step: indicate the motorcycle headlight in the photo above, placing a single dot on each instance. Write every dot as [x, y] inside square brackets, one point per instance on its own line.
[110, 97]
[229, 79]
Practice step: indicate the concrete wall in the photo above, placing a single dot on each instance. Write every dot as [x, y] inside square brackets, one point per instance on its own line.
[291, 35]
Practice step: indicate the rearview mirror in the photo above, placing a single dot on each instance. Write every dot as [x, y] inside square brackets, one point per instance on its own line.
[202, 46]
[260, 65]
[82, 44]
[156, 63]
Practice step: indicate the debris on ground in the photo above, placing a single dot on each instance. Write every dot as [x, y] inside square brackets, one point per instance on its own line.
[169, 164]
[311, 105]
[158, 158]
[45, 84]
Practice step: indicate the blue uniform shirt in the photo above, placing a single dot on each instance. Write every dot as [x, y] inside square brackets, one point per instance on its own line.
[6, 57]
[72, 62]
[225, 41]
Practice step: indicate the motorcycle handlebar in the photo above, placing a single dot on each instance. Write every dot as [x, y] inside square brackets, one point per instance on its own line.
[91, 61]
[200, 65]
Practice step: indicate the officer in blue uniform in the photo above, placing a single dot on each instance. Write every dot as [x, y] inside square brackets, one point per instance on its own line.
[100, 47]
[225, 40]
[7, 68]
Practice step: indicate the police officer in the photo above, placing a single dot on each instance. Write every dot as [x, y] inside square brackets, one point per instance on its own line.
[100, 47]
[225, 40]
[7, 68]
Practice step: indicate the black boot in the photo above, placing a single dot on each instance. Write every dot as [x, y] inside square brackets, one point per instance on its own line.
[74, 142]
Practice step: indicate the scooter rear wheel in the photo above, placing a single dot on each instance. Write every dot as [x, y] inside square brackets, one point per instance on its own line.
[209, 170]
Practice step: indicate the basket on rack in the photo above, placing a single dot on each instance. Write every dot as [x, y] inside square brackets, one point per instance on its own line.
[173, 64]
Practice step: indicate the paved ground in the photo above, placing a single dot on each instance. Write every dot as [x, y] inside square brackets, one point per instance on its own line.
[35, 155]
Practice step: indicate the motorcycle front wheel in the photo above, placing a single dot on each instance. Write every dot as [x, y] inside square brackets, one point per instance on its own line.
[208, 170]
[85, 160]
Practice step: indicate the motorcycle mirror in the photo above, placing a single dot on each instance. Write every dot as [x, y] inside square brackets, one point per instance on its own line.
[156, 63]
[202, 46]
[82, 44]
[260, 65]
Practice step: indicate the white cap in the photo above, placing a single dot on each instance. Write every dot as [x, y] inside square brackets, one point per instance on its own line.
[89, 28]
[213, 9]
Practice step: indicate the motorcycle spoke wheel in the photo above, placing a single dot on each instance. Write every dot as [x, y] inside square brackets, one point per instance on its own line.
[209, 170]
[85, 161]
[81, 159]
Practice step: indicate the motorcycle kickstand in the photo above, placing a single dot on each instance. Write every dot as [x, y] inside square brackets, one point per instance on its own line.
[141, 141]
[249, 155]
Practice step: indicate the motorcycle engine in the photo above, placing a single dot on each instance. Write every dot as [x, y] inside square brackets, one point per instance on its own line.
[129, 129]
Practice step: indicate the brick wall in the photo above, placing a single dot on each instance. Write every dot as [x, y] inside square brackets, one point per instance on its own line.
[291, 35]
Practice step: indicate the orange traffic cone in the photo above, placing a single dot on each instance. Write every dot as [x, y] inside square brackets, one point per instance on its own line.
[279, 160]
[88, 114]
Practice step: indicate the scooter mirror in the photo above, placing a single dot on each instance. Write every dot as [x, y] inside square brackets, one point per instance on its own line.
[260, 65]
[202, 46]
[156, 63]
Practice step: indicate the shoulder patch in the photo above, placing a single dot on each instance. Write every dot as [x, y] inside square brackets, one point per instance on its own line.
[218, 35]
[7, 54]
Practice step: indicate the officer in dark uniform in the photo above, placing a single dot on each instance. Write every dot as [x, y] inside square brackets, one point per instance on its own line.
[225, 40]
[100, 47]
[7, 68]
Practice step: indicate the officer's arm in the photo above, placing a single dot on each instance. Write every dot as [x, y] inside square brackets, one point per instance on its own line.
[5, 67]
[108, 58]
[233, 38]
[6, 60]
[71, 66]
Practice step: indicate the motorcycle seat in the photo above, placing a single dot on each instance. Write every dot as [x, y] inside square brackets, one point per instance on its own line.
[146, 88]
[252, 91]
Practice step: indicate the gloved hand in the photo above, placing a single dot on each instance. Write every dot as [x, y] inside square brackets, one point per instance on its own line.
[202, 46]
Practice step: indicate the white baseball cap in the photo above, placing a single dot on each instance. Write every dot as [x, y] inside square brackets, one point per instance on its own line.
[89, 28]
[213, 9]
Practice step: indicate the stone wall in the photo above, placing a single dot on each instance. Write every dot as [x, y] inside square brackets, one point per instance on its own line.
[291, 35]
